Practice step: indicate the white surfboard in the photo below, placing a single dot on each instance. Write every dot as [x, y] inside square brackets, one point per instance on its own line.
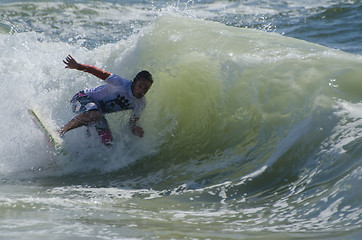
[52, 138]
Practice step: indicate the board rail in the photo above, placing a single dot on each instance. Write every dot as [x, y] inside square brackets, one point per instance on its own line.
[55, 144]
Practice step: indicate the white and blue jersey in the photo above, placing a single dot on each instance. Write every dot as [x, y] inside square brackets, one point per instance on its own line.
[116, 95]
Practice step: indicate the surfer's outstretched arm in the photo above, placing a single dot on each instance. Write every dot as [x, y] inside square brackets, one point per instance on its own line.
[73, 64]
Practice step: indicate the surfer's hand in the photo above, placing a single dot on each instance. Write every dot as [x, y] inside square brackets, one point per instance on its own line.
[138, 131]
[70, 62]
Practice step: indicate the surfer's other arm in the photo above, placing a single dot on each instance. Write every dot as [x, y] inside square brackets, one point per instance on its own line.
[73, 64]
[136, 130]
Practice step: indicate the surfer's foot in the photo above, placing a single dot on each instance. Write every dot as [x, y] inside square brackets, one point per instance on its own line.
[61, 133]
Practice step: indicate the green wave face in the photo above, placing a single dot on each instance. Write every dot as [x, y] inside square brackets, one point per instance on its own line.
[233, 100]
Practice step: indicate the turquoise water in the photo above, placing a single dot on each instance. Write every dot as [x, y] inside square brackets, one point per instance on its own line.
[252, 128]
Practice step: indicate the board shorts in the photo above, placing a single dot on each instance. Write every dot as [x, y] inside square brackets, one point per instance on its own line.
[81, 103]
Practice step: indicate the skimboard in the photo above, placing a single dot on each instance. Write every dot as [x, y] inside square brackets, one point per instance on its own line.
[52, 138]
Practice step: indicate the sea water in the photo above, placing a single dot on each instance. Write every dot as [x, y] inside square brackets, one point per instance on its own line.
[253, 125]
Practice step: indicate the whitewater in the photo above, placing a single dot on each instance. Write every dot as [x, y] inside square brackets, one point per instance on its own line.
[253, 125]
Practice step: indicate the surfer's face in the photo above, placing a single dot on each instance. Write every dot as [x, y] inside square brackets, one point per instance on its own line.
[140, 88]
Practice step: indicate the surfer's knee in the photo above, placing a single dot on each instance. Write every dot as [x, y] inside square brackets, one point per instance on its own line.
[90, 116]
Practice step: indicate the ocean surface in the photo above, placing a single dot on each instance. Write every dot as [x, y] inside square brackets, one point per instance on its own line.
[253, 126]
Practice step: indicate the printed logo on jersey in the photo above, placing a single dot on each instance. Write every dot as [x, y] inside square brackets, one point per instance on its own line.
[120, 102]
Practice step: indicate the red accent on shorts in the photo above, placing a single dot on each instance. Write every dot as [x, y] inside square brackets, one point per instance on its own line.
[106, 136]
[81, 94]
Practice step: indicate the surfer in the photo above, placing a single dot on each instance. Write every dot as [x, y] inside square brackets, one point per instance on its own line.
[117, 94]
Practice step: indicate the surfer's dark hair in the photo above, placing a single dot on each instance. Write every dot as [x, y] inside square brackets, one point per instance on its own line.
[143, 75]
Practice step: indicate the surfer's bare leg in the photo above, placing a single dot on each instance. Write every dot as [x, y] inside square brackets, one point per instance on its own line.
[81, 120]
